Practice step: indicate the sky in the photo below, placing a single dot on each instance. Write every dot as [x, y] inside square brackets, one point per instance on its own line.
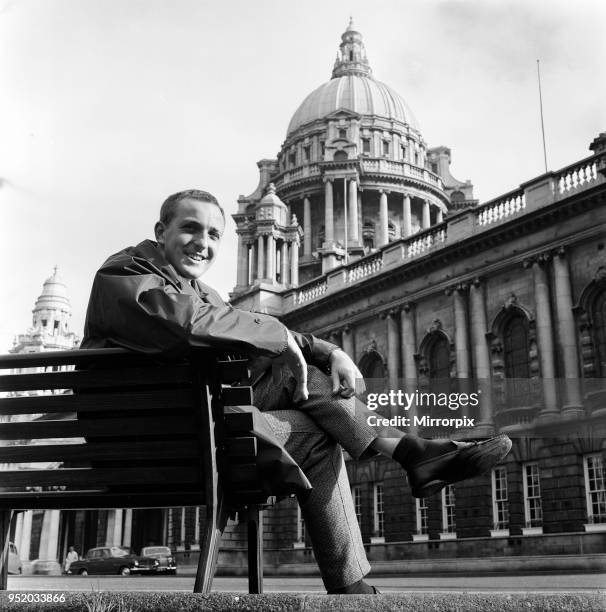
[108, 106]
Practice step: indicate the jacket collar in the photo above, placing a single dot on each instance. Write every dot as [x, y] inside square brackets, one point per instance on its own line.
[151, 253]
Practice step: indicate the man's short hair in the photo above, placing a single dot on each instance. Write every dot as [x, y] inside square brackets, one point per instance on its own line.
[168, 210]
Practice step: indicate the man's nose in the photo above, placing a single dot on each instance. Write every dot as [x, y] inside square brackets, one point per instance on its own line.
[201, 240]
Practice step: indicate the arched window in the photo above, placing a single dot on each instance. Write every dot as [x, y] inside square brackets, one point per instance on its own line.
[340, 156]
[599, 332]
[373, 370]
[516, 351]
[439, 358]
[457, 196]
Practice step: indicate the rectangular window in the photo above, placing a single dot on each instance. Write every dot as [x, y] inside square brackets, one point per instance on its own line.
[385, 148]
[533, 512]
[403, 151]
[322, 148]
[379, 525]
[342, 133]
[422, 527]
[307, 152]
[500, 501]
[300, 526]
[449, 524]
[292, 159]
[366, 145]
[356, 495]
[595, 487]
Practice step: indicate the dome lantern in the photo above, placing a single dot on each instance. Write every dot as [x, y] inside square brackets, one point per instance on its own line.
[351, 58]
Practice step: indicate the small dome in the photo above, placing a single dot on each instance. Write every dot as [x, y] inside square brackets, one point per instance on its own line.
[54, 295]
[359, 94]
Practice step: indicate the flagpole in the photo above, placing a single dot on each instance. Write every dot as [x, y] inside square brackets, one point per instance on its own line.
[541, 109]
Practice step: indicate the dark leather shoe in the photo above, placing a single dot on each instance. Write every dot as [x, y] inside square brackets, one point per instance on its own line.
[468, 460]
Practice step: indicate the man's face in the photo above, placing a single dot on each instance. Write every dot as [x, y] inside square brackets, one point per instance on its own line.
[190, 242]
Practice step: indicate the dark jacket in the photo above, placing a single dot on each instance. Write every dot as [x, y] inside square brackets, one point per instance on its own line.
[139, 302]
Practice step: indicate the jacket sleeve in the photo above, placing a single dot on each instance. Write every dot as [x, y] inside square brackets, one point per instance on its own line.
[144, 310]
[315, 350]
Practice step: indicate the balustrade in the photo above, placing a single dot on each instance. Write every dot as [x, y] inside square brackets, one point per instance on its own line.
[577, 176]
[501, 208]
[421, 243]
[311, 292]
[364, 268]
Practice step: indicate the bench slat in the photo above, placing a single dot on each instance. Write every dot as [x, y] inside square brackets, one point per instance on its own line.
[99, 498]
[95, 379]
[96, 402]
[95, 477]
[116, 428]
[237, 447]
[238, 422]
[109, 450]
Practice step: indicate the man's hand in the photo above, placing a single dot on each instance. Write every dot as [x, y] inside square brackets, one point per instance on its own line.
[344, 374]
[293, 358]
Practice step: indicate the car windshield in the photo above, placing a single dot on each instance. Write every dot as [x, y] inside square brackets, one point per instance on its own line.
[155, 550]
[119, 552]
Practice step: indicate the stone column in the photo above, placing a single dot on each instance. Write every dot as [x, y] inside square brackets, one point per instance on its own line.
[573, 406]
[242, 265]
[284, 262]
[294, 263]
[335, 338]
[481, 355]
[49, 536]
[544, 328]
[251, 262]
[260, 258]
[114, 527]
[18, 531]
[347, 339]
[426, 221]
[306, 228]
[128, 527]
[271, 258]
[393, 347]
[354, 236]
[26, 537]
[461, 332]
[406, 217]
[409, 348]
[329, 222]
[383, 220]
[439, 216]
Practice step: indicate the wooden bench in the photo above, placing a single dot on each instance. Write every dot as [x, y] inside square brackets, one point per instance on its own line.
[129, 430]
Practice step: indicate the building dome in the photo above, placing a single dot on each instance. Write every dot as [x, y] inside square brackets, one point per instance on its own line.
[359, 94]
[54, 295]
[352, 88]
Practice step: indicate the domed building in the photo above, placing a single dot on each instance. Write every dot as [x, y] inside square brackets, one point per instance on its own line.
[355, 174]
[50, 322]
[358, 233]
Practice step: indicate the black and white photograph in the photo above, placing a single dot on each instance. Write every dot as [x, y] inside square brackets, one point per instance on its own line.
[303, 305]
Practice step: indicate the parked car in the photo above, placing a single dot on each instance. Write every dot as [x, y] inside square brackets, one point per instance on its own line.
[168, 564]
[113, 560]
[14, 563]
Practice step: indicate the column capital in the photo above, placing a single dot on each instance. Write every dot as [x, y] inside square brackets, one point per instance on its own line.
[346, 329]
[540, 259]
[477, 282]
[384, 191]
[408, 307]
[391, 313]
[326, 179]
[560, 252]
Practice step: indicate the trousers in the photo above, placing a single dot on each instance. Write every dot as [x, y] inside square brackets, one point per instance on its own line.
[313, 432]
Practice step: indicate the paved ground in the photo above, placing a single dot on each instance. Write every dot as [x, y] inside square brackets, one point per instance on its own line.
[543, 583]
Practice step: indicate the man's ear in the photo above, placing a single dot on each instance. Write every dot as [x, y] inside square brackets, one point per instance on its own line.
[159, 232]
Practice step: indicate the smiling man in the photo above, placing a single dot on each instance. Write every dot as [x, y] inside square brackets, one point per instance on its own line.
[149, 297]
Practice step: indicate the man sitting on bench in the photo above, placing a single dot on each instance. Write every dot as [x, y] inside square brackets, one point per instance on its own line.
[150, 297]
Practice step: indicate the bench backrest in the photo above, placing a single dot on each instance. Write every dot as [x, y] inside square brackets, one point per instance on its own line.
[113, 429]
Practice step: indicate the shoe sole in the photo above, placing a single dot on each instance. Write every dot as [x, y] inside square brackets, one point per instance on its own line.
[435, 486]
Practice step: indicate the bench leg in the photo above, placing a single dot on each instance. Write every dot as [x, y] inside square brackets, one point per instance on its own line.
[255, 549]
[216, 519]
[5, 524]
